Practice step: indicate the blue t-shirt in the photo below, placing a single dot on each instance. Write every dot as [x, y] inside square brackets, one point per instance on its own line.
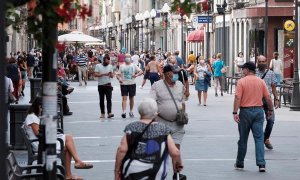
[179, 61]
[218, 65]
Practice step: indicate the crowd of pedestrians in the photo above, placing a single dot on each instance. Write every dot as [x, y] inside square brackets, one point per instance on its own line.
[163, 114]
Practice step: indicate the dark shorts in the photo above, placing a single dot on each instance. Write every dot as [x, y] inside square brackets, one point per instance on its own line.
[128, 90]
[146, 75]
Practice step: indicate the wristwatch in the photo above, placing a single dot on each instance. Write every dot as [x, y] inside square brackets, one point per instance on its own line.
[234, 112]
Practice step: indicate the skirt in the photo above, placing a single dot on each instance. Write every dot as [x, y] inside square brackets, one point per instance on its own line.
[201, 85]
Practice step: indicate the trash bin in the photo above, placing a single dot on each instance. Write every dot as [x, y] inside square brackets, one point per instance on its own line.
[35, 87]
[18, 114]
[39, 75]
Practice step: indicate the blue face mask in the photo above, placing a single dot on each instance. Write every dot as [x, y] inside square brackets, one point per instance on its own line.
[174, 78]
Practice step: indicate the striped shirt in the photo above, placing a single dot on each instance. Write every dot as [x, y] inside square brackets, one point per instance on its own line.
[82, 60]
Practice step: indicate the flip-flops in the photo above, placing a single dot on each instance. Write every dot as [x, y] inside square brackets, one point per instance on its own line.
[83, 166]
[73, 177]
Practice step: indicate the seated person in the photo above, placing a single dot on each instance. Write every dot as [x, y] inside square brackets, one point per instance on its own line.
[149, 143]
[31, 126]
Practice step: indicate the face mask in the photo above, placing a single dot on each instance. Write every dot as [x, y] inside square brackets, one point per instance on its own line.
[105, 63]
[127, 60]
[201, 61]
[174, 78]
[261, 67]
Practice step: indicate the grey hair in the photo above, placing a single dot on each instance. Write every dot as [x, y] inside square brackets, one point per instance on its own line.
[148, 108]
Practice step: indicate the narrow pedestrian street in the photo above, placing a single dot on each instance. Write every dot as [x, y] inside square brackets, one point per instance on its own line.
[209, 147]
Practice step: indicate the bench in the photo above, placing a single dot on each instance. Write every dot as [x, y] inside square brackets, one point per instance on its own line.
[286, 90]
[32, 156]
[16, 172]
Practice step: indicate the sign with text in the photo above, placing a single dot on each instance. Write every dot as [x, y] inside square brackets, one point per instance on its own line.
[202, 19]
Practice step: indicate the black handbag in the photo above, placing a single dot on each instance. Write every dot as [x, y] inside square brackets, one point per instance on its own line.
[181, 116]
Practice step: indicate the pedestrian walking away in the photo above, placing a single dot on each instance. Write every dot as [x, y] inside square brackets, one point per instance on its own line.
[270, 79]
[153, 70]
[126, 76]
[217, 67]
[166, 105]
[145, 147]
[105, 73]
[82, 62]
[248, 98]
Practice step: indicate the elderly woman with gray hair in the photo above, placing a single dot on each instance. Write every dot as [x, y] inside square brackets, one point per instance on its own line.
[145, 147]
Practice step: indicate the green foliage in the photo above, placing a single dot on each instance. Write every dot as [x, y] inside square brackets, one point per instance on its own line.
[185, 8]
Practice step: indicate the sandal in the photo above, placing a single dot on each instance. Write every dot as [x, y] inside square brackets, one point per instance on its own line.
[83, 166]
[73, 177]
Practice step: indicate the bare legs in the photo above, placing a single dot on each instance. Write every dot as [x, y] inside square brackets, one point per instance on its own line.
[70, 151]
[131, 103]
[124, 101]
[204, 97]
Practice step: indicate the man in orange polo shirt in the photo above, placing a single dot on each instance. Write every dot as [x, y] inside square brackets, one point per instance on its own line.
[248, 98]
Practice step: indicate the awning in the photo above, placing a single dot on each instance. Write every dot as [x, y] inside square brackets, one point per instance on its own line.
[196, 36]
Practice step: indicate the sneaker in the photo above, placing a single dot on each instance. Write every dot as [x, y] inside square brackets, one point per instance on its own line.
[80, 84]
[123, 115]
[268, 144]
[221, 94]
[262, 168]
[85, 82]
[238, 167]
[131, 114]
[181, 176]
[110, 115]
[216, 94]
[141, 87]
[102, 116]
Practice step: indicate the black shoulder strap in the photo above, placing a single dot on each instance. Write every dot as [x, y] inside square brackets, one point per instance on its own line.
[265, 74]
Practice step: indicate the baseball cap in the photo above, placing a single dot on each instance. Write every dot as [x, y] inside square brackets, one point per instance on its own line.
[249, 65]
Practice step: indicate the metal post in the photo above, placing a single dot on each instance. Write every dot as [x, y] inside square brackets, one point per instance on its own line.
[3, 105]
[48, 125]
[166, 32]
[142, 27]
[207, 34]
[182, 48]
[266, 29]
[153, 34]
[295, 103]
[147, 34]
[127, 33]
[224, 31]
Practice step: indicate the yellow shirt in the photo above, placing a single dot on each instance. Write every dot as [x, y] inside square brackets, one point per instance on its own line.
[191, 58]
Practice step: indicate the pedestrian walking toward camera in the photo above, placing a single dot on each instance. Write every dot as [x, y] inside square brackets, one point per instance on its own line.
[126, 76]
[277, 66]
[167, 92]
[270, 79]
[217, 67]
[82, 62]
[105, 73]
[202, 74]
[145, 147]
[248, 98]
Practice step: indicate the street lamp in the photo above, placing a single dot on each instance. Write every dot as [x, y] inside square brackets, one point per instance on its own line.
[129, 21]
[266, 28]
[146, 17]
[121, 23]
[295, 103]
[153, 15]
[165, 10]
[221, 10]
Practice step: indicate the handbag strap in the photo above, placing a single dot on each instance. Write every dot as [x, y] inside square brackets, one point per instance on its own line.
[171, 96]
[265, 74]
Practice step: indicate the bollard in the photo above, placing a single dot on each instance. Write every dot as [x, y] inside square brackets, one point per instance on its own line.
[35, 88]
[18, 113]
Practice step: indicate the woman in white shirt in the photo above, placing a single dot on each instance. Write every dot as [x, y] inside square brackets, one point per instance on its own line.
[31, 126]
[277, 67]
[239, 61]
